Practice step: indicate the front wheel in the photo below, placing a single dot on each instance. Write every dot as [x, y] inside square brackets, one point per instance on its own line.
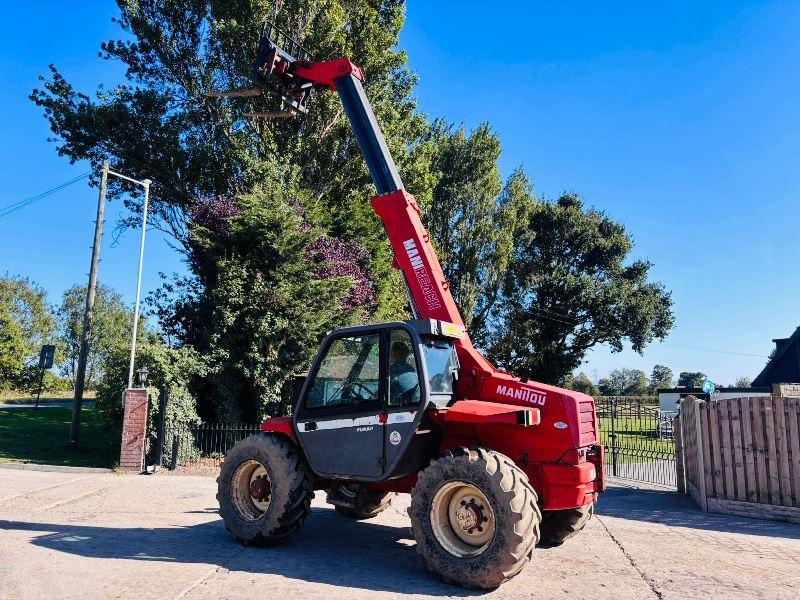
[264, 490]
[475, 517]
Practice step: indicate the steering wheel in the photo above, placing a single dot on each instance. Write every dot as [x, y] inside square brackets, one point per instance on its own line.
[408, 396]
[353, 386]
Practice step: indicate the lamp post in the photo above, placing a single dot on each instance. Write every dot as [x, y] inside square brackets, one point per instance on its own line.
[146, 185]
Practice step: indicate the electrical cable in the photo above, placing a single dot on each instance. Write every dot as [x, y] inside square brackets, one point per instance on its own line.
[15, 206]
[545, 314]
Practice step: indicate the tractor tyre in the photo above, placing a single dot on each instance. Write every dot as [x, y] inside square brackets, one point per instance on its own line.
[356, 502]
[264, 490]
[475, 517]
[560, 525]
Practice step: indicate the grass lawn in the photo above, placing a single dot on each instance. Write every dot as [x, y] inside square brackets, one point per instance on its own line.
[12, 397]
[41, 436]
[637, 440]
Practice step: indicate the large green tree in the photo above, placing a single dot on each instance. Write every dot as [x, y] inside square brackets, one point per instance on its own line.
[661, 377]
[624, 382]
[26, 305]
[691, 378]
[210, 167]
[111, 327]
[571, 285]
[582, 383]
[267, 306]
[199, 151]
[12, 349]
[463, 216]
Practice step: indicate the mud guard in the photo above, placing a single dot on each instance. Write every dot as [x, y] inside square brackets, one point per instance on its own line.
[282, 425]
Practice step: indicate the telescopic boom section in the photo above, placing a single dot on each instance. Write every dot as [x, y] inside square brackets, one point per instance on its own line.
[428, 290]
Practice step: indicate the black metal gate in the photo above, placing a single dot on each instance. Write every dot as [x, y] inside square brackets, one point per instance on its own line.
[203, 444]
[194, 445]
[639, 440]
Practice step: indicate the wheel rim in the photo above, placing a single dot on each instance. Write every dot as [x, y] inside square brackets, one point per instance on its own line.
[462, 519]
[251, 490]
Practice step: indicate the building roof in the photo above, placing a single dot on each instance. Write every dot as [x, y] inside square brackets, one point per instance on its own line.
[784, 366]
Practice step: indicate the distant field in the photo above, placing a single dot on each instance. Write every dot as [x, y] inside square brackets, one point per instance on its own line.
[41, 436]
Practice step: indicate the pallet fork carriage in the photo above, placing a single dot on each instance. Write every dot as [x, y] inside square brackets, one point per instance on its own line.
[494, 464]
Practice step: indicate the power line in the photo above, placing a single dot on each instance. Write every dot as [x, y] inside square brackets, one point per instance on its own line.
[15, 206]
[545, 314]
[714, 350]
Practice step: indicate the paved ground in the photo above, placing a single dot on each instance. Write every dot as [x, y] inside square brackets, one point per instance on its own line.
[67, 535]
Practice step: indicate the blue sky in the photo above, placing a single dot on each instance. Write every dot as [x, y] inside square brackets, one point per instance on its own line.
[680, 120]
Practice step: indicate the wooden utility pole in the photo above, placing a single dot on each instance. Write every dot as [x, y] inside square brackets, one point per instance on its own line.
[88, 313]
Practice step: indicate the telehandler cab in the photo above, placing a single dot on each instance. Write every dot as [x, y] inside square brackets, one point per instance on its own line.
[493, 464]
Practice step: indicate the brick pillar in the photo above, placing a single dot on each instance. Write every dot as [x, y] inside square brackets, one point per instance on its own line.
[134, 425]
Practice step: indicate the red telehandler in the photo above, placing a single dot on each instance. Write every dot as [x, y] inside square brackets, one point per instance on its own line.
[494, 464]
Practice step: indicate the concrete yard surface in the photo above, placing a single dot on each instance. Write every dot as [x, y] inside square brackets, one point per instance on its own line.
[73, 535]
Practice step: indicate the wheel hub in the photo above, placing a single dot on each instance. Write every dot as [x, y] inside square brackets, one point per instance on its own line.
[469, 516]
[259, 489]
[251, 490]
[462, 518]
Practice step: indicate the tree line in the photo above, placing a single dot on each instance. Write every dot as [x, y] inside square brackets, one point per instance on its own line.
[273, 217]
[635, 382]
[28, 321]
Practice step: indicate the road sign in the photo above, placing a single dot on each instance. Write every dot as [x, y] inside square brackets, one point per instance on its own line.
[46, 356]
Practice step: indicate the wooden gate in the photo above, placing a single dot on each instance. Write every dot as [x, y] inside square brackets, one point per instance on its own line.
[741, 455]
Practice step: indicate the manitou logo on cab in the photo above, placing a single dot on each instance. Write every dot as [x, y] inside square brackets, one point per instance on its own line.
[525, 394]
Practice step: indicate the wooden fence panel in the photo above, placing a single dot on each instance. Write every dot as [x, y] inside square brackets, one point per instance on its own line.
[680, 468]
[793, 416]
[742, 455]
[692, 451]
[705, 448]
[734, 408]
[751, 485]
[726, 450]
[714, 449]
[772, 452]
[783, 452]
[760, 448]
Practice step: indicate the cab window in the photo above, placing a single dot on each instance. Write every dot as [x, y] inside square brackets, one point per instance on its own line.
[403, 375]
[348, 375]
[442, 362]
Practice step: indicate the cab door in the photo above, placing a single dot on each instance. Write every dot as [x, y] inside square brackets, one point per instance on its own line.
[340, 419]
[405, 393]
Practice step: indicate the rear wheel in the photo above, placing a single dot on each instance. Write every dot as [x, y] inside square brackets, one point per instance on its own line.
[475, 517]
[354, 501]
[560, 525]
[264, 490]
